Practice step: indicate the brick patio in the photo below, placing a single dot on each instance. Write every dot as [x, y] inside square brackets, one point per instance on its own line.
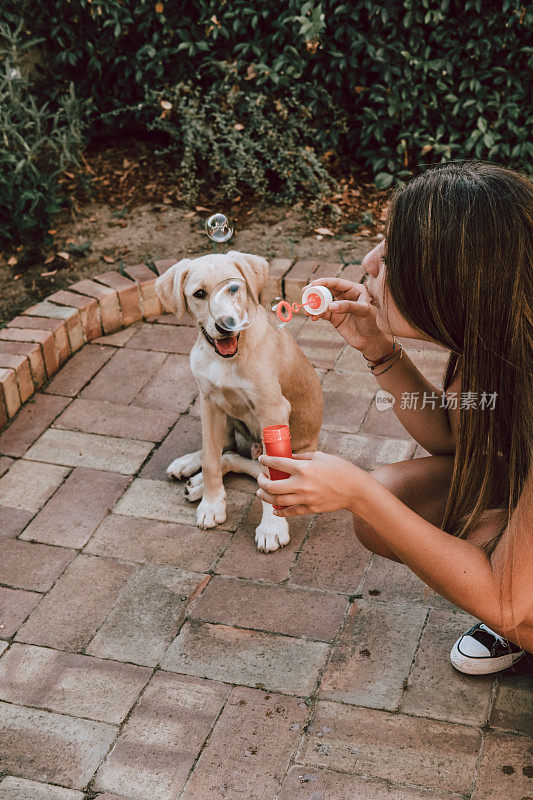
[145, 659]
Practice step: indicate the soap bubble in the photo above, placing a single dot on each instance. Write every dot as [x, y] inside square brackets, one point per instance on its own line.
[219, 228]
[232, 306]
[279, 312]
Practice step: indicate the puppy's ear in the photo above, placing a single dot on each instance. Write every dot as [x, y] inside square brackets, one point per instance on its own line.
[253, 269]
[169, 287]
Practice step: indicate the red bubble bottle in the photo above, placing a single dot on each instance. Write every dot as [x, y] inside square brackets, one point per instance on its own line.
[277, 440]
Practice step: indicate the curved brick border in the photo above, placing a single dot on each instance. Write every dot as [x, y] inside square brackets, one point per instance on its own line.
[37, 343]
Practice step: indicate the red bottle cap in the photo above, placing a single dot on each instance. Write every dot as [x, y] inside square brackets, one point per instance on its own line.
[276, 433]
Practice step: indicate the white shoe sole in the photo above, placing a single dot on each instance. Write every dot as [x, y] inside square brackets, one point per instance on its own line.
[482, 666]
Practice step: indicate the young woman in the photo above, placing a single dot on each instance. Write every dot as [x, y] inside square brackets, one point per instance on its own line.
[455, 268]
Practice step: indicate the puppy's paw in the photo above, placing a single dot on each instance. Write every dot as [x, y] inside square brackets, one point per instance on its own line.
[194, 488]
[184, 466]
[211, 512]
[272, 534]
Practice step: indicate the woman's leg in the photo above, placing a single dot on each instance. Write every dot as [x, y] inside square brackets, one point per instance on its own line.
[421, 483]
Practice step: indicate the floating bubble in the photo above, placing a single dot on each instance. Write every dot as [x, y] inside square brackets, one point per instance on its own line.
[219, 228]
[232, 306]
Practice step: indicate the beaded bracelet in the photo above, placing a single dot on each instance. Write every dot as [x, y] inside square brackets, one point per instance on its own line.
[399, 355]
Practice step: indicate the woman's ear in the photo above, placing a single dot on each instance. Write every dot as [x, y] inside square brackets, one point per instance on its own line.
[254, 270]
[169, 287]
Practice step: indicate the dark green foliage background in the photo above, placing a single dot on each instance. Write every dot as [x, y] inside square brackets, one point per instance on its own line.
[390, 87]
[417, 80]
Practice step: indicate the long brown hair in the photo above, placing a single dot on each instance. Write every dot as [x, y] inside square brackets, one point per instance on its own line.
[459, 248]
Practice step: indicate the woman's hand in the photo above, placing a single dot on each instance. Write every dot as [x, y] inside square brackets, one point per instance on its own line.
[319, 482]
[354, 316]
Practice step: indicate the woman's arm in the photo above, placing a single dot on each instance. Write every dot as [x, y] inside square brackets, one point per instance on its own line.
[428, 423]
[455, 568]
[354, 318]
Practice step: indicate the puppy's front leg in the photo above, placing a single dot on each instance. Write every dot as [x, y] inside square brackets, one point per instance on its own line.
[212, 509]
[273, 532]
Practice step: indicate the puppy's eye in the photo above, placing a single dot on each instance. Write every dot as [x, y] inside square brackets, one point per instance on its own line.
[234, 287]
[200, 294]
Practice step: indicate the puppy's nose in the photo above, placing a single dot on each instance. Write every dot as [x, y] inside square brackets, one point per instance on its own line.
[228, 325]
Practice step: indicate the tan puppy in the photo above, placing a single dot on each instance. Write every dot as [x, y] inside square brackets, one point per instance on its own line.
[261, 378]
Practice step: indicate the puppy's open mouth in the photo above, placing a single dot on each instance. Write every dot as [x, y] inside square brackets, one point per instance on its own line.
[225, 347]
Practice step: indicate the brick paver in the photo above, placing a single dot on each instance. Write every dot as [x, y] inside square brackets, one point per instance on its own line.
[71, 613]
[24, 565]
[112, 419]
[69, 683]
[162, 543]
[468, 698]
[360, 672]
[80, 370]
[173, 386]
[110, 383]
[15, 605]
[142, 658]
[21, 789]
[304, 783]
[13, 521]
[164, 338]
[28, 485]
[76, 509]
[44, 746]
[296, 612]
[77, 449]
[159, 742]
[242, 558]
[30, 423]
[331, 557]
[280, 663]
[147, 615]
[250, 747]
[394, 747]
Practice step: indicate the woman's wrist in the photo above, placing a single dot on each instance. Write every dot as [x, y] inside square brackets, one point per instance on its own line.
[377, 348]
[359, 489]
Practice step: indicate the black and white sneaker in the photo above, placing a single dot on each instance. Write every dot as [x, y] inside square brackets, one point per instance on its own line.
[481, 651]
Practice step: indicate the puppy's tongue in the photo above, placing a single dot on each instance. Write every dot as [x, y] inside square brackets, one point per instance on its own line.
[227, 346]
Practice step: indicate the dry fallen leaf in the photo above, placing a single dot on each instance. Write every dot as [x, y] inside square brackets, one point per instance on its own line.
[239, 126]
[16, 277]
[63, 255]
[166, 105]
[49, 259]
[12, 261]
[47, 274]
[167, 201]
[189, 215]
[324, 231]
[52, 231]
[107, 259]
[159, 8]
[201, 208]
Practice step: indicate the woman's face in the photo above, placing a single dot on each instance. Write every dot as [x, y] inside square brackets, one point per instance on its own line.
[388, 319]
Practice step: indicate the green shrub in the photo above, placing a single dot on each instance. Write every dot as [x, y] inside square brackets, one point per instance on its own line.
[225, 142]
[38, 143]
[418, 81]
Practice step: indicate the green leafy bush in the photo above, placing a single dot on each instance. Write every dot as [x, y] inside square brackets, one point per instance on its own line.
[38, 143]
[418, 81]
[392, 87]
[225, 141]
